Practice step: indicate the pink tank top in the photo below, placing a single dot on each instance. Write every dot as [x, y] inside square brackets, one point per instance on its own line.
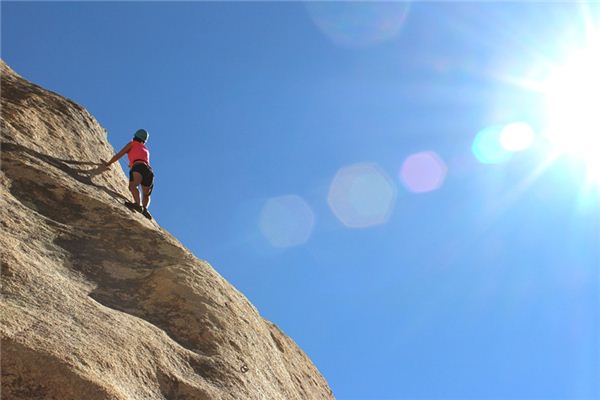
[138, 152]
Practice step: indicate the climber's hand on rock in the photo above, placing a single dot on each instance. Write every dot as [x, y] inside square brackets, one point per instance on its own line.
[101, 168]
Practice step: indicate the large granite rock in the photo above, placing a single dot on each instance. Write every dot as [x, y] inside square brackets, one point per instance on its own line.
[100, 303]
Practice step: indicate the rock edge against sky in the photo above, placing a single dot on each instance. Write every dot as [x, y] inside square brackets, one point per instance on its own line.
[100, 303]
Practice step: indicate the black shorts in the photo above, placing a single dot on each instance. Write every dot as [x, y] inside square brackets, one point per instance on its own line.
[145, 171]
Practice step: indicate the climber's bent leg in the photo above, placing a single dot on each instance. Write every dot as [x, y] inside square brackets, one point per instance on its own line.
[135, 178]
[146, 190]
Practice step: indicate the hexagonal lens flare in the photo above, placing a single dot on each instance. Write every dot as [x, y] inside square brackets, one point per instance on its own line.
[423, 172]
[362, 195]
[286, 221]
[517, 136]
[487, 146]
[358, 24]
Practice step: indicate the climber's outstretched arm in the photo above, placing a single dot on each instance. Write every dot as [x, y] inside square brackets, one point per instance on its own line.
[120, 154]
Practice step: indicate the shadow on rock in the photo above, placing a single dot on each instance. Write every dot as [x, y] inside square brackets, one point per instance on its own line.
[81, 175]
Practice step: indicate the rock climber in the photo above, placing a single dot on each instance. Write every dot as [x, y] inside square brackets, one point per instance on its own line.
[140, 172]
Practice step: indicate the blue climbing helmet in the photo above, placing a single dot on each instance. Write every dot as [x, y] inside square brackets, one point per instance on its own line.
[141, 134]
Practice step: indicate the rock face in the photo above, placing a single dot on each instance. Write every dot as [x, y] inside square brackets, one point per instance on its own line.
[100, 303]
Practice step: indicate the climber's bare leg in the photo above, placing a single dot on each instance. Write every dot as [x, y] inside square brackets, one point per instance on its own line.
[133, 187]
[146, 195]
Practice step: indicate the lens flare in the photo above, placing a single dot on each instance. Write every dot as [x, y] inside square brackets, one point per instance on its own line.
[517, 136]
[358, 24]
[286, 221]
[423, 172]
[487, 146]
[362, 195]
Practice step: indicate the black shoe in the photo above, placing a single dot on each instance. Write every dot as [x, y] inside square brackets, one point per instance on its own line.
[134, 207]
[145, 213]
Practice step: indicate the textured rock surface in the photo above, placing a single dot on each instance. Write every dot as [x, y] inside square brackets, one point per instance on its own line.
[100, 303]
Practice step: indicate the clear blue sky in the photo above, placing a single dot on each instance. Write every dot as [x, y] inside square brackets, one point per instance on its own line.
[279, 133]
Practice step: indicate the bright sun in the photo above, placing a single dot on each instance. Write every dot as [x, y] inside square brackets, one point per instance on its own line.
[573, 108]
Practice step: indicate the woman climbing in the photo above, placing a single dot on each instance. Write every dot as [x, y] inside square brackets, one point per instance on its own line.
[140, 172]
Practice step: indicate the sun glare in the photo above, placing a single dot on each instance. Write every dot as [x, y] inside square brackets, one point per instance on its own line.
[573, 108]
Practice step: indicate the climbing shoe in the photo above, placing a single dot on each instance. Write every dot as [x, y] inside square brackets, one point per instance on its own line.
[134, 207]
[145, 213]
